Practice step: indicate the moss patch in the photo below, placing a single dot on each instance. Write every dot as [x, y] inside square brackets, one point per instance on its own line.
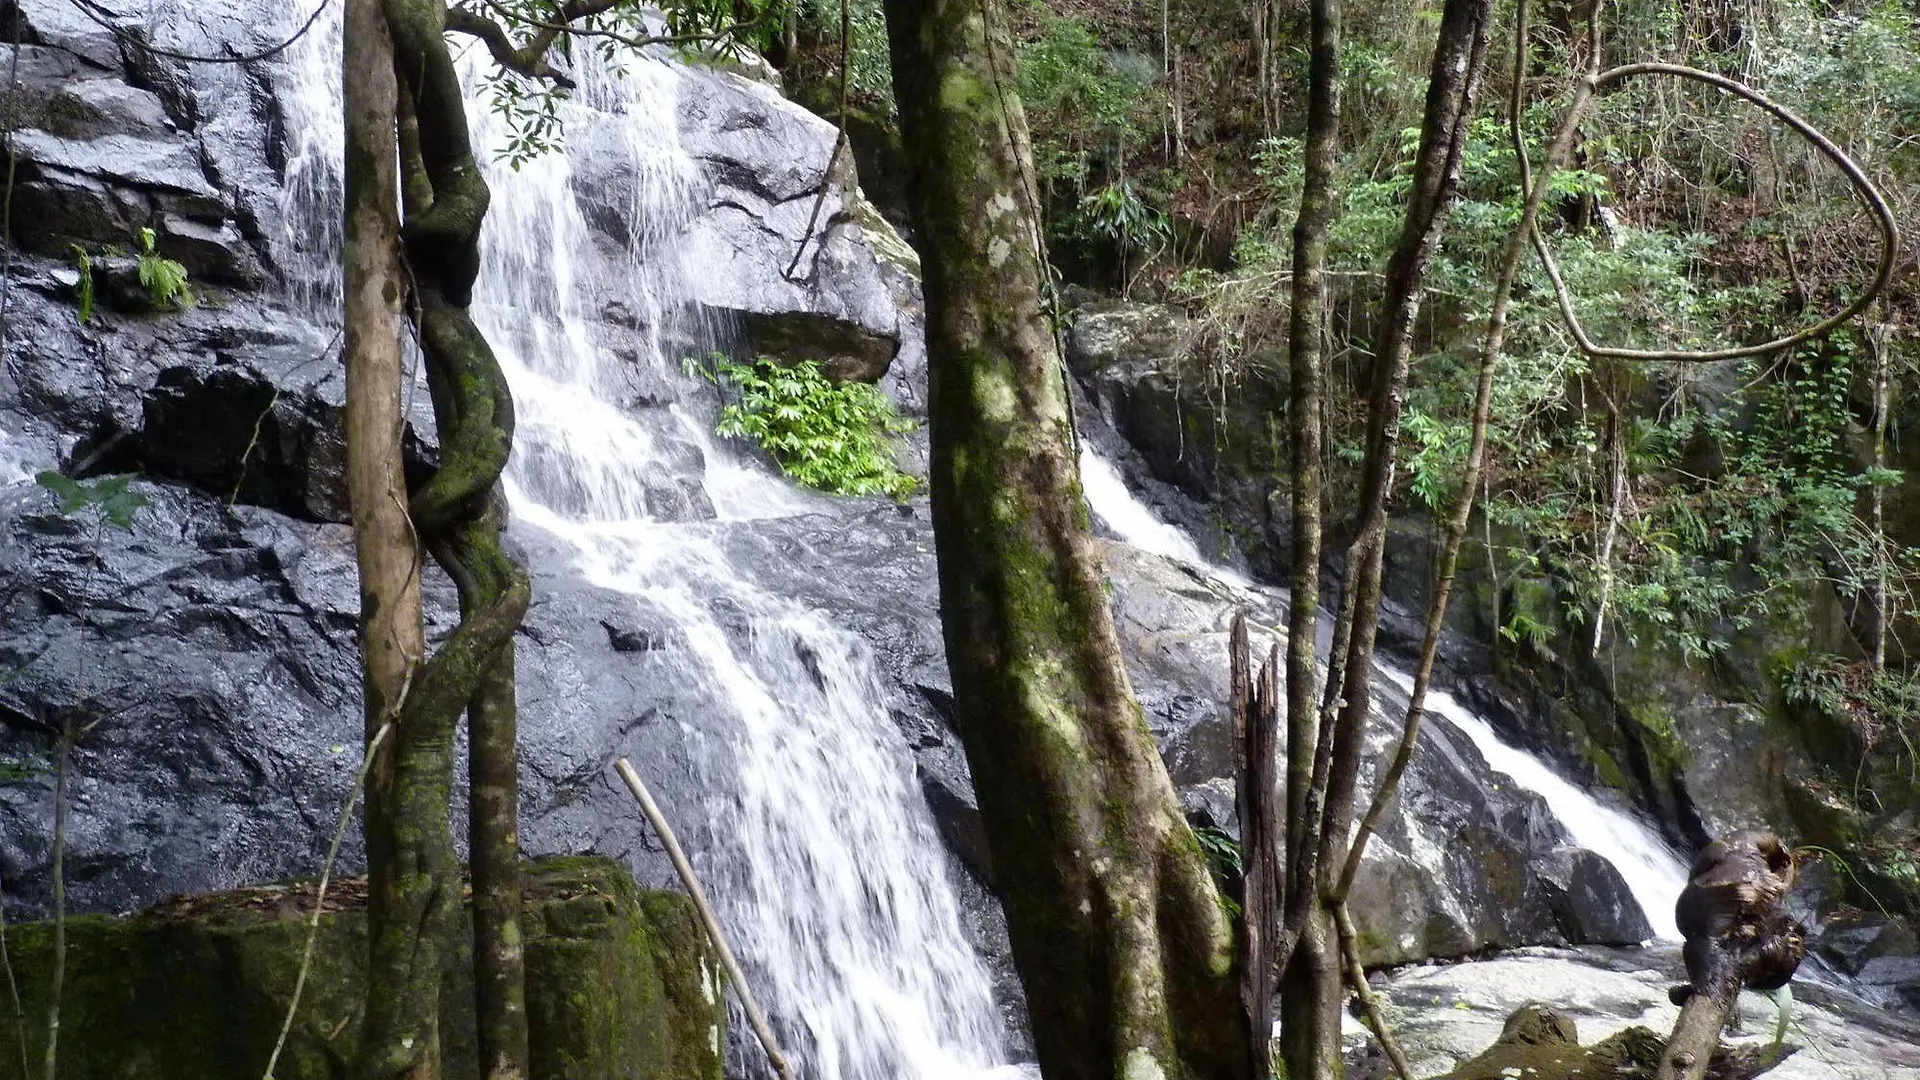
[619, 984]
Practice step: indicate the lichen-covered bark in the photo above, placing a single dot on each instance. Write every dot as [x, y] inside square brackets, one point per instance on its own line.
[1118, 933]
[458, 515]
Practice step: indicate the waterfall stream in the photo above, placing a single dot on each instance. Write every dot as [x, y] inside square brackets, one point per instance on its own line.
[820, 851]
[825, 862]
[1653, 873]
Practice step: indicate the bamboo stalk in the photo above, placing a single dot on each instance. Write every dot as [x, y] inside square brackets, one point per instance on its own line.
[707, 918]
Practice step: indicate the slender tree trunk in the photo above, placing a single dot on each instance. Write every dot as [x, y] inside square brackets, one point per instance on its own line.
[1310, 966]
[1877, 344]
[1119, 935]
[392, 638]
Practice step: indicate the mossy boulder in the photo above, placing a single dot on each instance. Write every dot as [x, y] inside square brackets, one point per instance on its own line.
[1544, 1043]
[621, 982]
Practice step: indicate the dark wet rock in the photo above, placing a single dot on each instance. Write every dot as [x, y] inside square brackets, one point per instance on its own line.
[1105, 334]
[1900, 974]
[958, 816]
[1855, 938]
[795, 286]
[1591, 902]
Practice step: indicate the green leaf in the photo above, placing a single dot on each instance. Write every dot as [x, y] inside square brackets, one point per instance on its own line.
[72, 495]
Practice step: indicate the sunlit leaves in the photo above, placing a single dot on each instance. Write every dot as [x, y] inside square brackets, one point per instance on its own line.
[830, 436]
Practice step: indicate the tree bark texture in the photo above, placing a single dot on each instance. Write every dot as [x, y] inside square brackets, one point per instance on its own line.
[1120, 937]
[1458, 61]
[459, 514]
[1256, 731]
[1309, 986]
[391, 633]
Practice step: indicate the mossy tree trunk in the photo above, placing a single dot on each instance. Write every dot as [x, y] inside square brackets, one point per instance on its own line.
[1118, 932]
[457, 516]
[1310, 963]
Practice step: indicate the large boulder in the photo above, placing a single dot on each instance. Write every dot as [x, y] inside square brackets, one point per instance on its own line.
[620, 982]
[797, 261]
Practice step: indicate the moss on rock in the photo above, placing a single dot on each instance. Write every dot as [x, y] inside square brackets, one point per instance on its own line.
[621, 982]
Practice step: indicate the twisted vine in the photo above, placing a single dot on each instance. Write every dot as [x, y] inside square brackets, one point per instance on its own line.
[458, 514]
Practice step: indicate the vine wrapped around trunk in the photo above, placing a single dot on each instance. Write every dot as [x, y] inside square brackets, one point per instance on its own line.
[458, 516]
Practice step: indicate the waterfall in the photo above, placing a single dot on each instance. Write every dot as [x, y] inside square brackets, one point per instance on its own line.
[815, 843]
[1653, 873]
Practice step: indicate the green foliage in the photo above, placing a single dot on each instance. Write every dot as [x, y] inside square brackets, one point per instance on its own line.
[164, 279]
[530, 109]
[14, 770]
[830, 436]
[108, 498]
[1882, 707]
[1223, 852]
[84, 263]
[870, 64]
[1088, 106]
[1118, 213]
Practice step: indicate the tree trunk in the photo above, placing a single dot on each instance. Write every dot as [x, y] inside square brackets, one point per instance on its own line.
[1309, 965]
[1118, 933]
[392, 637]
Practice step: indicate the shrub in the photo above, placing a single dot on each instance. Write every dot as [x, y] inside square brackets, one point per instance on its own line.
[830, 436]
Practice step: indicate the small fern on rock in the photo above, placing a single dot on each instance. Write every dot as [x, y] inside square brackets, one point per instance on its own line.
[164, 279]
[830, 436]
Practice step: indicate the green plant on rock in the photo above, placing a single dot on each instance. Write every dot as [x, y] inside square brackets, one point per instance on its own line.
[164, 279]
[107, 499]
[1118, 213]
[84, 263]
[830, 436]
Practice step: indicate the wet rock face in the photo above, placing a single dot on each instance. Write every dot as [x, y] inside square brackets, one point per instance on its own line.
[793, 284]
[113, 140]
[1590, 902]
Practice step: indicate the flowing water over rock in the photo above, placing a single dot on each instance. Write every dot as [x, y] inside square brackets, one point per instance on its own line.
[825, 861]
[1651, 870]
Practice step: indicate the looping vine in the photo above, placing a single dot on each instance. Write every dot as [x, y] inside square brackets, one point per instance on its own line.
[1596, 81]
[458, 514]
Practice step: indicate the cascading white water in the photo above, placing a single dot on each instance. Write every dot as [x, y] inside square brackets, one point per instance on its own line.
[1653, 873]
[825, 862]
[13, 468]
[311, 227]
[1651, 870]
[828, 867]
